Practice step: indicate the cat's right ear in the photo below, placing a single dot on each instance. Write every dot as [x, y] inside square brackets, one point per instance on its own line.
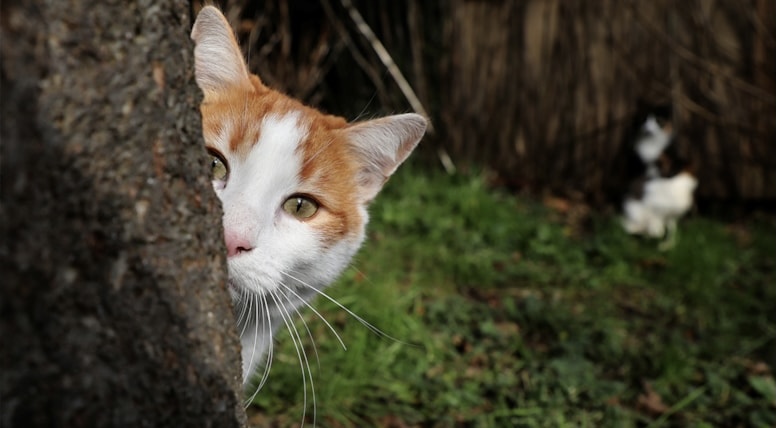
[218, 61]
[381, 145]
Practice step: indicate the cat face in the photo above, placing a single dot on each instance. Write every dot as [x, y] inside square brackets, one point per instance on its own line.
[289, 191]
[294, 184]
[656, 135]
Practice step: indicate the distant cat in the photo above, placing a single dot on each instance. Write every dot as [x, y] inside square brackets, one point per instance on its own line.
[651, 144]
[663, 191]
[657, 210]
[294, 185]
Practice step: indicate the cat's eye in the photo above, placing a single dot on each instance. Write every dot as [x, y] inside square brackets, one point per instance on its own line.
[218, 167]
[300, 207]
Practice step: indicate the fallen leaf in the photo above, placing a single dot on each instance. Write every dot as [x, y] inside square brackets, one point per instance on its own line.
[650, 401]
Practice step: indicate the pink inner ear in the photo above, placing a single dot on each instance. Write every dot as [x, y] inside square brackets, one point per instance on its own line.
[219, 63]
[381, 145]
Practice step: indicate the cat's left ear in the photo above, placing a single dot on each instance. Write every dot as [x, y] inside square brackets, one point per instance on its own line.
[381, 145]
[218, 61]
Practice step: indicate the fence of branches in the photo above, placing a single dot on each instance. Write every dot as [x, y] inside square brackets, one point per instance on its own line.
[542, 92]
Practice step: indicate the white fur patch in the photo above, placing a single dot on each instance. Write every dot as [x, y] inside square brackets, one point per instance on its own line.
[665, 200]
[252, 200]
[651, 145]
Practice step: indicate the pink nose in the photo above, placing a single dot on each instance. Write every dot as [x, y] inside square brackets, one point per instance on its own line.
[236, 243]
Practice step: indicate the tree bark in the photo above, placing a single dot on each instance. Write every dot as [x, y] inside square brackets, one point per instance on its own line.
[114, 307]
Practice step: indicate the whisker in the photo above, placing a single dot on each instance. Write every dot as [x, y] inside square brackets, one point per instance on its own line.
[256, 326]
[244, 300]
[310, 335]
[363, 111]
[270, 345]
[315, 311]
[249, 306]
[364, 322]
[318, 152]
[258, 311]
[304, 323]
[264, 308]
[240, 304]
[300, 352]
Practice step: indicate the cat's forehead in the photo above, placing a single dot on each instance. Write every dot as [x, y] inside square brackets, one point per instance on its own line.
[263, 133]
[276, 147]
[235, 122]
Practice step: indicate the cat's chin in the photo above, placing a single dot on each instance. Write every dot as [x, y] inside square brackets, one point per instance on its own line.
[240, 293]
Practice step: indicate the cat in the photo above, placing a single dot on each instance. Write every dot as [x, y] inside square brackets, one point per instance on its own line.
[652, 143]
[649, 141]
[294, 185]
[663, 191]
[657, 210]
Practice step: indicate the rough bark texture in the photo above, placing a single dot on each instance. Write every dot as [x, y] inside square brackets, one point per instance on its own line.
[114, 308]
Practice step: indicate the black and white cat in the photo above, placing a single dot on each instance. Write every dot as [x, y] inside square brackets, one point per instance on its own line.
[663, 190]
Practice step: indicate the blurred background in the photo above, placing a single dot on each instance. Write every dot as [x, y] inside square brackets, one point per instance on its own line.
[535, 86]
[496, 266]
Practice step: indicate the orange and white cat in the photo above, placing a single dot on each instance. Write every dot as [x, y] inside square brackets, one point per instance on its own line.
[294, 185]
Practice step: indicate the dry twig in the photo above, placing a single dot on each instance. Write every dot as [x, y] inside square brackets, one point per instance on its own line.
[386, 59]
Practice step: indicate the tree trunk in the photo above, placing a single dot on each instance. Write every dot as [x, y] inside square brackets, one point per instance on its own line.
[114, 308]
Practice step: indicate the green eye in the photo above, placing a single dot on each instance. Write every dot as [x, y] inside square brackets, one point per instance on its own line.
[300, 207]
[218, 168]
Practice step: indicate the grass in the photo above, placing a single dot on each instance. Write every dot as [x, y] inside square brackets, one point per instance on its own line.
[510, 313]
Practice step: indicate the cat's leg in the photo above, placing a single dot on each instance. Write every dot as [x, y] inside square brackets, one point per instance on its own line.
[656, 227]
[670, 240]
[633, 220]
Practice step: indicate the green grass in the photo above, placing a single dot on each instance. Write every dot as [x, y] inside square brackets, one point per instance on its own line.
[508, 313]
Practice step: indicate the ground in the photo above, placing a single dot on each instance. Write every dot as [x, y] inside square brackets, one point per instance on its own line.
[499, 310]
